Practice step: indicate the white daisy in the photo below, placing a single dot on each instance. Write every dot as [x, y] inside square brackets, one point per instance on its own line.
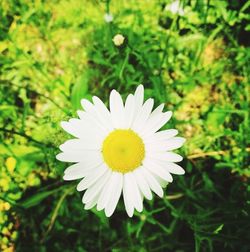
[120, 151]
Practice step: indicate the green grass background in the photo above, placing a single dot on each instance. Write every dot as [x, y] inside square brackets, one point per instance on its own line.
[53, 53]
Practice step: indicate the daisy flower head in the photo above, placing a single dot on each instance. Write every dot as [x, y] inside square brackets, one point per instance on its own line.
[120, 151]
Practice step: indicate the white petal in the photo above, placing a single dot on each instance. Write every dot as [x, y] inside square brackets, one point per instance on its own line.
[157, 169]
[89, 162]
[135, 192]
[150, 123]
[95, 115]
[81, 114]
[154, 123]
[86, 125]
[116, 109]
[106, 192]
[167, 145]
[171, 167]
[166, 134]
[161, 136]
[165, 118]
[79, 170]
[143, 115]
[79, 144]
[152, 182]
[79, 156]
[92, 177]
[74, 128]
[139, 95]
[87, 105]
[96, 188]
[165, 156]
[81, 128]
[114, 194]
[129, 110]
[103, 113]
[175, 169]
[128, 200]
[90, 125]
[98, 112]
[163, 183]
[92, 202]
[102, 107]
[158, 110]
[174, 143]
[142, 183]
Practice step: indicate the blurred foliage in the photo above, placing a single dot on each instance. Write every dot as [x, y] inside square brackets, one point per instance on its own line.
[193, 55]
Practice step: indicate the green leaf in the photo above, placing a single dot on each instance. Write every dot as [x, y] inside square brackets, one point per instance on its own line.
[79, 91]
[218, 229]
[37, 198]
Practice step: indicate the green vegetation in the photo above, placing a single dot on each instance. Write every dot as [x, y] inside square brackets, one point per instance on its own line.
[196, 61]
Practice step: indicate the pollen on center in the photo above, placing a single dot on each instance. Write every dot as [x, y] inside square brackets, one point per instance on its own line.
[123, 150]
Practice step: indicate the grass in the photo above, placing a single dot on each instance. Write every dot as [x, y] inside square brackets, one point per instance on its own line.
[53, 53]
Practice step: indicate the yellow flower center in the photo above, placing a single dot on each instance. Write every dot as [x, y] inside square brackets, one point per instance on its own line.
[123, 150]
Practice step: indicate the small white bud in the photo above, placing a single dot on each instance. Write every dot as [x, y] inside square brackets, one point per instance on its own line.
[108, 18]
[118, 39]
[175, 7]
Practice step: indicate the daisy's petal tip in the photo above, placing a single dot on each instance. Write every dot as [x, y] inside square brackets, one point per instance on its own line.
[139, 89]
[83, 100]
[170, 179]
[161, 195]
[60, 156]
[161, 107]
[85, 103]
[180, 158]
[150, 197]
[113, 92]
[64, 124]
[79, 187]
[140, 210]
[67, 178]
[61, 147]
[80, 113]
[181, 141]
[99, 208]
[96, 99]
[87, 207]
[130, 215]
[108, 213]
[151, 100]
[169, 113]
[140, 86]
[129, 210]
[176, 132]
[181, 171]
